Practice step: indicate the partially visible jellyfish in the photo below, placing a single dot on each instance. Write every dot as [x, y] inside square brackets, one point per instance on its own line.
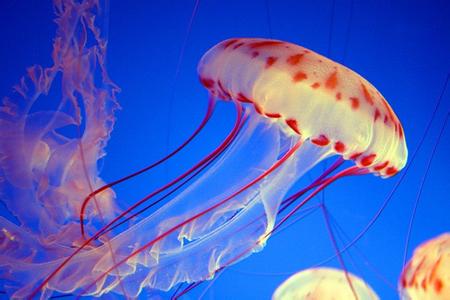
[324, 284]
[427, 274]
[294, 108]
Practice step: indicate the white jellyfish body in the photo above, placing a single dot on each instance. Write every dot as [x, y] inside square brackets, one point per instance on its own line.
[324, 284]
[427, 274]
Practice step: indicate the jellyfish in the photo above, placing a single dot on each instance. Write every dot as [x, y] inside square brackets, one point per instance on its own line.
[426, 275]
[294, 109]
[323, 283]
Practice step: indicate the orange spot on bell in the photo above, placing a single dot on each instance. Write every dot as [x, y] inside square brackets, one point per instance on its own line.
[273, 115]
[377, 115]
[339, 147]
[241, 97]
[438, 285]
[229, 43]
[261, 44]
[368, 160]
[321, 140]
[391, 171]
[367, 95]
[355, 102]
[294, 59]
[270, 61]
[315, 85]
[299, 76]
[382, 166]
[293, 124]
[238, 45]
[207, 82]
[355, 155]
[331, 81]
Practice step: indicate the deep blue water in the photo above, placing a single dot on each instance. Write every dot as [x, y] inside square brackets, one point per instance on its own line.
[402, 47]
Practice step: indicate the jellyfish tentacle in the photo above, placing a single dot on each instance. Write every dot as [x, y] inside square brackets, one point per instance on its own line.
[346, 172]
[179, 186]
[196, 216]
[287, 202]
[238, 124]
[291, 199]
[198, 165]
[354, 170]
[209, 112]
[336, 250]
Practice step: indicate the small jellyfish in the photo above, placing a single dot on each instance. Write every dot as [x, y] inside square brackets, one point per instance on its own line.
[427, 274]
[324, 283]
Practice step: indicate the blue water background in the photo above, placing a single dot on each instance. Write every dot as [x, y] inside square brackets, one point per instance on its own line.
[402, 47]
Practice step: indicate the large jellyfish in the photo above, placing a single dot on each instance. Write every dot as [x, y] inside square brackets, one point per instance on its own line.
[324, 284]
[427, 274]
[294, 108]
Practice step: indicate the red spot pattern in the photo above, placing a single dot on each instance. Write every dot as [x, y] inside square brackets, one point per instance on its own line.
[355, 102]
[293, 124]
[438, 285]
[255, 54]
[368, 160]
[207, 82]
[238, 45]
[391, 171]
[322, 140]
[367, 95]
[315, 85]
[339, 147]
[241, 97]
[404, 282]
[299, 76]
[229, 43]
[294, 59]
[424, 284]
[261, 44]
[338, 96]
[377, 115]
[270, 61]
[273, 115]
[331, 81]
[355, 155]
[389, 110]
[382, 166]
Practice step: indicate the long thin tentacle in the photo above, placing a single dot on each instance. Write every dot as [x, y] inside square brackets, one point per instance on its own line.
[91, 196]
[196, 216]
[219, 149]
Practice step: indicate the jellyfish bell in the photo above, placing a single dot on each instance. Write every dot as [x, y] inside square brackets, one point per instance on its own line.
[324, 284]
[427, 274]
[309, 95]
